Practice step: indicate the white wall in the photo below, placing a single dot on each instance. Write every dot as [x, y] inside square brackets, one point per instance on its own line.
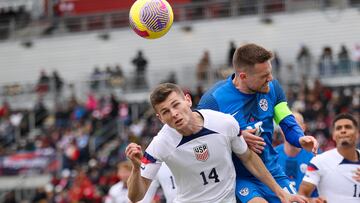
[76, 55]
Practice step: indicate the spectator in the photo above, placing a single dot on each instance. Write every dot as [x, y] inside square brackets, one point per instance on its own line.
[40, 112]
[57, 82]
[203, 67]
[357, 56]
[43, 82]
[326, 65]
[140, 70]
[344, 61]
[276, 65]
[118, 192]
[96, 77]
[117, 78]
[231, 52]
[304, 61]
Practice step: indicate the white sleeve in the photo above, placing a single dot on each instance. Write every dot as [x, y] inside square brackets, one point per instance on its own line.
[151, 161]
[149, 196]
[238, 144]
[313, 173]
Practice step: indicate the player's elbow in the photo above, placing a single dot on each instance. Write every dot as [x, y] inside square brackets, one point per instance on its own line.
[306, 189]
[135, 197]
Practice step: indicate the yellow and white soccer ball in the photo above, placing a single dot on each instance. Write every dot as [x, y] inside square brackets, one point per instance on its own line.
[151, 19]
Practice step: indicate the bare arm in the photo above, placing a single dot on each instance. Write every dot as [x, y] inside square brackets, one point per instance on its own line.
[306, 188]
[255, 165]
[137, 185]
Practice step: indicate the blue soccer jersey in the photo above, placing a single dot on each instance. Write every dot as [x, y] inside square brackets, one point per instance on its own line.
[295, 167]
[258, 110]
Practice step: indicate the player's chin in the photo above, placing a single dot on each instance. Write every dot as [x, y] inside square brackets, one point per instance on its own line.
[265, 89]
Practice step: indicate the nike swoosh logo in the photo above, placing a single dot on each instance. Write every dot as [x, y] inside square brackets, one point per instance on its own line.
[142, 167]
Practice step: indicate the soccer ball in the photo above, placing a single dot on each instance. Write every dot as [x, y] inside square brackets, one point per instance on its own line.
[151, 19]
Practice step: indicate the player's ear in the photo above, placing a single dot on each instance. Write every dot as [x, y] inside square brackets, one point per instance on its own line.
[242, 75]
[159, 117]
[188, 99]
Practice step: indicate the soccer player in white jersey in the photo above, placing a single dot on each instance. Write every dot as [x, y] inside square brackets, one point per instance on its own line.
[164, 179]
[196, 146]
[335, 173]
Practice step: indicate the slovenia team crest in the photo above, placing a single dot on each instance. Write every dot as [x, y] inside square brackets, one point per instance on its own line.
[201, 152]
[263, 104]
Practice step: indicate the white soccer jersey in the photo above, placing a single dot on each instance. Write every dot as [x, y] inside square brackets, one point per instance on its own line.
[201, 163]
[166, 180]
[117, 194]
[332, 174]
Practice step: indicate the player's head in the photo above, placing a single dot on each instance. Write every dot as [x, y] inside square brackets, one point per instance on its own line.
[124, 170]
[253, 68]
[345, 131]
[171, 105]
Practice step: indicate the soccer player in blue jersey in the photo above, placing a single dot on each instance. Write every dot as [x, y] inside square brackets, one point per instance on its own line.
[293, 160]
[254, 99]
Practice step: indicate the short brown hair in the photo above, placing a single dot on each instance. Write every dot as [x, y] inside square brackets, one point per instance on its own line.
[162, 91]
[250, 54]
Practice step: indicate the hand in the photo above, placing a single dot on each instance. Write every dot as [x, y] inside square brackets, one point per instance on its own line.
[289, 198]
[309, 143]
[357, 175]
[134, 153]
[255, 143]
[318, 200]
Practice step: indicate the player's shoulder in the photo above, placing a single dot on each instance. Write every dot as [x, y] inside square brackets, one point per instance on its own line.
[279, 148]
[275, 87]
[167, 136]
[327, 157]
[218, 121]
[216, 117]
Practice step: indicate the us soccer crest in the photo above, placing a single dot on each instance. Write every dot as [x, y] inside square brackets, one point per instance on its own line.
[201, 152]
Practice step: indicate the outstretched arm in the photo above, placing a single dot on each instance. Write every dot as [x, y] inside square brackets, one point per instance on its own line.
[137, 185]
[255, 165]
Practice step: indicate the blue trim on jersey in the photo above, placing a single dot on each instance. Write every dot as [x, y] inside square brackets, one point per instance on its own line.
[147, 158]
[292, 130]
[346, 161]
[203, 132]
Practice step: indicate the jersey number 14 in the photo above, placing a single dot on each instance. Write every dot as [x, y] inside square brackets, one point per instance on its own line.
[212, 175]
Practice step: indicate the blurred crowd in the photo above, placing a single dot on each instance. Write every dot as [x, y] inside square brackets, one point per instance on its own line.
[88, 136]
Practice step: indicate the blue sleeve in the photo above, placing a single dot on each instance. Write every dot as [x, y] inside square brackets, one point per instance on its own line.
[208, 101]
[292, 130]
[279, 92]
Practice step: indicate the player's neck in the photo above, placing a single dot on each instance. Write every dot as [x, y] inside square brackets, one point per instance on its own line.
[240, 86]
[349, 153]
[196, 123]
[290, 150]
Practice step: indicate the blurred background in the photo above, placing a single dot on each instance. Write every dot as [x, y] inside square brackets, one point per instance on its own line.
[75, 80]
